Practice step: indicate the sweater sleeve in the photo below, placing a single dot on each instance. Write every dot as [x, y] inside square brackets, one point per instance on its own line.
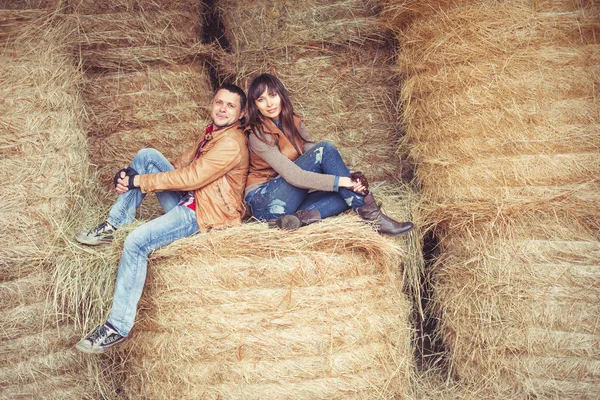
[288, 170]
[308, 142]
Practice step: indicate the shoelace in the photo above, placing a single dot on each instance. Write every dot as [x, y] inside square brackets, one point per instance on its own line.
[99, 229]
[98, 333]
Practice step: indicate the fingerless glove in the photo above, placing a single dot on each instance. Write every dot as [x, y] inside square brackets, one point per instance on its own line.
[130, 172]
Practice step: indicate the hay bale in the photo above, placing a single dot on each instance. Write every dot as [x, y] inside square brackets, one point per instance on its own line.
[517, 112]
[44, 159]
[502, 122]
[44, 167]
[252, 312]
[137, 37]
[156, 95]
[130, 29]
[398, 14]
[326, 53]
[285, 23]
[149, 91]
[522, 310]
[28, 4]
[111, 6]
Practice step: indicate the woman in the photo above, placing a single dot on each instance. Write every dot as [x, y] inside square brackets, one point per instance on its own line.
[292, 180]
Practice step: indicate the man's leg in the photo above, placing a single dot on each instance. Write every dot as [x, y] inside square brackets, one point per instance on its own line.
[177, 223]
[146, 161]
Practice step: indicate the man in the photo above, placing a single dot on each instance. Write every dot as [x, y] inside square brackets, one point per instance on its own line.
[200, 191]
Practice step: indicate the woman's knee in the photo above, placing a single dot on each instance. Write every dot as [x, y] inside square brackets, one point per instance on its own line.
[326, 145]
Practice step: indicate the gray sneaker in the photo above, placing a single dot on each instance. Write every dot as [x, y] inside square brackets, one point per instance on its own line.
[101, 234]
[101, 339]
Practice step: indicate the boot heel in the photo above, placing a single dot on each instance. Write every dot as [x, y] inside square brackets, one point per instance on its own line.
[288, 222]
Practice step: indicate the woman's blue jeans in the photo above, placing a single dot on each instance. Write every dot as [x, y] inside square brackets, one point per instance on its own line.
[176, 223]
[277, 198]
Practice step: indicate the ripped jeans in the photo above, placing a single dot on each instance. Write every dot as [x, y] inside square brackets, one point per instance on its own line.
[277, 198]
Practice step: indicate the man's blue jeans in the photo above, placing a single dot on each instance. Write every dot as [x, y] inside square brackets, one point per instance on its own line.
[176, 223]
[277, 198]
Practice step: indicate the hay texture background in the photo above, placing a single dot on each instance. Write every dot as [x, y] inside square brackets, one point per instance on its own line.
[502, 119]
[146, 81]
[336, 62]
[252, 312]
[43, 170]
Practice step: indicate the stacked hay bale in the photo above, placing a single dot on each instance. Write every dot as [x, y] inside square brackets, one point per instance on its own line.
[252, 312]
[43, 168]
[502, 120]
[146, 81]
[28, 4]
[336, 62]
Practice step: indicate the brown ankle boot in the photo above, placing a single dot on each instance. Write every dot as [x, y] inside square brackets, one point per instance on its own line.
[296, 220]
[383, 224]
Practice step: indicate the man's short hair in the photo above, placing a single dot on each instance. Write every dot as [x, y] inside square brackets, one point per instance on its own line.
[234, 89]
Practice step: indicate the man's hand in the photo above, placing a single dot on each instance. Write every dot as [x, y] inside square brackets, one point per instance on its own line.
[123, 183]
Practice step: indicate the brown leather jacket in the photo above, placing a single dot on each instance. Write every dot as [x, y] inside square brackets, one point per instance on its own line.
[260, 170]
[217, 177]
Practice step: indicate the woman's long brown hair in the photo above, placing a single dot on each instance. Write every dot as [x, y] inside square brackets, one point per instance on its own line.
[286, 118]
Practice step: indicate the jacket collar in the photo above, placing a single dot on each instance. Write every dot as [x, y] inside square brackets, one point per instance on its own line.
[217, 133]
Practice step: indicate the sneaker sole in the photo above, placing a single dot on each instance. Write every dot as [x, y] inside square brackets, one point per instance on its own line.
[84, 347]
[92, 242]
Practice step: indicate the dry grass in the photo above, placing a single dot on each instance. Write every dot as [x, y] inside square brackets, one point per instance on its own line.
[111, 6]
[501, 114]
[44, 169]
[254, 312]
[506, 303]
[42, 157]
[146, 85]
[518, 112]
[29, 4]
[286, 23]
[131, 40]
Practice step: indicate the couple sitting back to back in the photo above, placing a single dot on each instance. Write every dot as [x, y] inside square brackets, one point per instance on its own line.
[284, 176]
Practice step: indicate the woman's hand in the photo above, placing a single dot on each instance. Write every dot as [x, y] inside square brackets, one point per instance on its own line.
[355, 186]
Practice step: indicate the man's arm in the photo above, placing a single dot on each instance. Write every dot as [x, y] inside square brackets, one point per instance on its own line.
[186, 157]
[216, 162]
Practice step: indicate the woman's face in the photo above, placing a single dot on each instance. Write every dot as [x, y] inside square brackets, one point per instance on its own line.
[269, 104]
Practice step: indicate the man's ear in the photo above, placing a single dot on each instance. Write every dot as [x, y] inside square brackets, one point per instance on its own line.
[243, 113]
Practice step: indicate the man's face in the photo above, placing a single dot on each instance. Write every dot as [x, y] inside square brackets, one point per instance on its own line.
[226, 108]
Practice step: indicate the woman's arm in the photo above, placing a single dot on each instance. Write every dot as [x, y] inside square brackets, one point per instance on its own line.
[288, 170]
[308, 142]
